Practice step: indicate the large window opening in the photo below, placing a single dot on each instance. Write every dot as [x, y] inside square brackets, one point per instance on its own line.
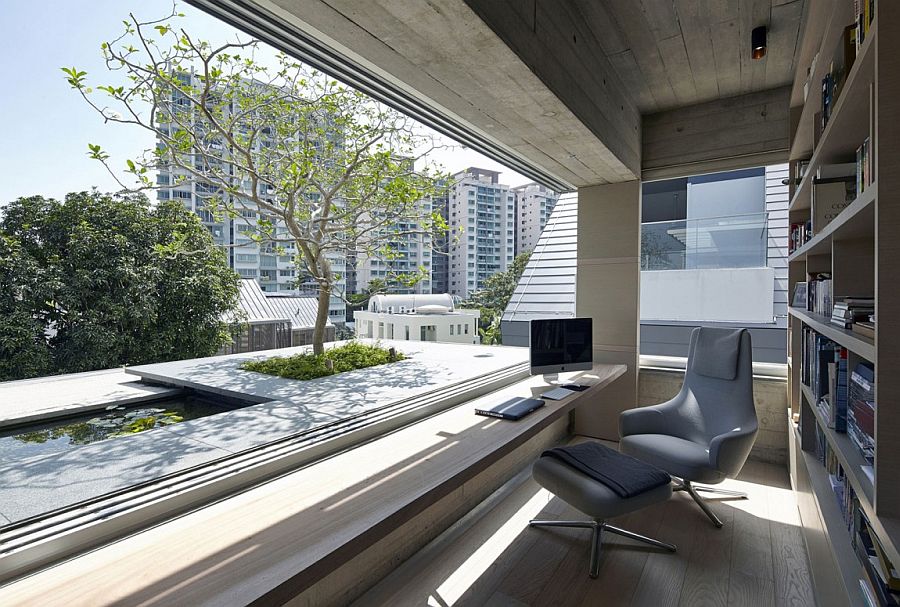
[158, 217]
[714, 253]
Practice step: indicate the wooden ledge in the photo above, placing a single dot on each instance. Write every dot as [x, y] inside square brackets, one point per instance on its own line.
[269, 543]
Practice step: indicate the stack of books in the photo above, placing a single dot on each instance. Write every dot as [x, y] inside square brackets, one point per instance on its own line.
[852, 309]
[819, 294]
[861, 410]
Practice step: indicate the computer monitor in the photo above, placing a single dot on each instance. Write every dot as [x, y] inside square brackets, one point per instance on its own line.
[560, 344]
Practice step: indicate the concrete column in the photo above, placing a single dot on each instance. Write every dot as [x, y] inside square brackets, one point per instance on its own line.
[608, 291]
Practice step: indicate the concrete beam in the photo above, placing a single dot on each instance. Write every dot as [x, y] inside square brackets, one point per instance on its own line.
[737, 132]
[446, 58]
[553, 39]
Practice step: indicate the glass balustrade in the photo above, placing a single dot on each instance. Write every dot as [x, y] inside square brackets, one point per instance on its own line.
[734, 241]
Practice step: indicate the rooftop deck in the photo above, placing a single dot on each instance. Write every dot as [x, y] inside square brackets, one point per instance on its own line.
[39, 484]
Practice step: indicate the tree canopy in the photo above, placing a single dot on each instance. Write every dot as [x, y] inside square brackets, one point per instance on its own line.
[326, 171]
[493, 298]
[99, 281]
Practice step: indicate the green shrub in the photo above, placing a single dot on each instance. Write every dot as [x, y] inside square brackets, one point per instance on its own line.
[348, 357]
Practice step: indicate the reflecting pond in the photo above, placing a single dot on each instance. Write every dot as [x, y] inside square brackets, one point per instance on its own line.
[61, 434]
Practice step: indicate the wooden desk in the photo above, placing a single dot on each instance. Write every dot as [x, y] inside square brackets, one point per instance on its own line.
[269, 543]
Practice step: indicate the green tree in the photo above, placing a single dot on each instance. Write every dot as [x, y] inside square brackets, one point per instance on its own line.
[327, 171]
[493, 298]
[100, 281]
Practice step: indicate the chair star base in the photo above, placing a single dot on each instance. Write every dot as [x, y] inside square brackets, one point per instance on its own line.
[693, 490]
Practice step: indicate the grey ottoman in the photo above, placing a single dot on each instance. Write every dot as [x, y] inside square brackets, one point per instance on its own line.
[597, 500]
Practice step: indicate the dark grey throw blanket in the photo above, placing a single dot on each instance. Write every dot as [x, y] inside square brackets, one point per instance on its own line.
[625, 475]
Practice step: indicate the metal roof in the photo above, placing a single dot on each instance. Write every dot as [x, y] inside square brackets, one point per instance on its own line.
[257, 307]
[254, 306]
[547, 286]
[300, 310]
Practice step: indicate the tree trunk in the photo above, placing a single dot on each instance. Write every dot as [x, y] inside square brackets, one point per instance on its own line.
[321, 318]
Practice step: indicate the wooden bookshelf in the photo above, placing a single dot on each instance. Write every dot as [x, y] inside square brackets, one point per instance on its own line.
[860, 248]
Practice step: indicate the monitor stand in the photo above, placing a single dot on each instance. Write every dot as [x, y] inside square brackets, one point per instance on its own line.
[551, 378]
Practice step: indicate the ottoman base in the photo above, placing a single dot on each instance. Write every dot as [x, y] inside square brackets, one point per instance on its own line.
[598, 527]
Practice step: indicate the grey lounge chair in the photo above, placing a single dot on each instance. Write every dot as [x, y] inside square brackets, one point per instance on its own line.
[706, 432]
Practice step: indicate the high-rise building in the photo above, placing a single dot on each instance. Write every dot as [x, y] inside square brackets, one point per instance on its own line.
[272, 266]
[534, 203]
[410, 252]
[440, 259]
[482, 229]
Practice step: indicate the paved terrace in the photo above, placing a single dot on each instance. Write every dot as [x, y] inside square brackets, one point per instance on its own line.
[39, 484]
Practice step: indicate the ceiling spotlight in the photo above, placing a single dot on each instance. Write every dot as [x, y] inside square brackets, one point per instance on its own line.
[758, 42]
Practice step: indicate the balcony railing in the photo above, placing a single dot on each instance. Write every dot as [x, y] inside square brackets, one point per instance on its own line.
[733, 241]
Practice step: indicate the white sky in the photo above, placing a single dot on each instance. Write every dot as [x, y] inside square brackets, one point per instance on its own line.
[47, 126]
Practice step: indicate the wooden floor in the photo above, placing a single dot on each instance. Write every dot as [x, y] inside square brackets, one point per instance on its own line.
[493, 558]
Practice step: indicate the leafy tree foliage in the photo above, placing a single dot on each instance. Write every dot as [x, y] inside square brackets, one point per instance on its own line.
[327, 171]
[100, 281]
[494, 297]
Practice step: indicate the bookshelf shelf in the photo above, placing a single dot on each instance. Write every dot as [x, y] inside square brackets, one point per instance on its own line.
[855, 221]
[854, 342]
[849, 123]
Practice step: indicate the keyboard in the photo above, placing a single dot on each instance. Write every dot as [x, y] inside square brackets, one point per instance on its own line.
[557, 394]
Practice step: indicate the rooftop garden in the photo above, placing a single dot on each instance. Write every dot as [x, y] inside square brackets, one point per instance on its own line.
[340, 359]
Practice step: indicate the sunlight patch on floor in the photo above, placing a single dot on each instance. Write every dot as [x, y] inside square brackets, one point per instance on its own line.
[455, 586]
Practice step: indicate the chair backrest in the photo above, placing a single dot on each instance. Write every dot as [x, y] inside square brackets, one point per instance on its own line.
[717, 395]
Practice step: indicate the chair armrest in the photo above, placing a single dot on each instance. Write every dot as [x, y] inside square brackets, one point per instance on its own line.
[645, 420]
[728, 451]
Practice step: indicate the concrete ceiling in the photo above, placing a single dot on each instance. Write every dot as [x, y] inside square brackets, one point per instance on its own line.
[559, 84]
[675, 53]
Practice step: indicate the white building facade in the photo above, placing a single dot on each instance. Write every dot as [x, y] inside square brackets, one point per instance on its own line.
[481, 215]
[534, 203]
[417, 318]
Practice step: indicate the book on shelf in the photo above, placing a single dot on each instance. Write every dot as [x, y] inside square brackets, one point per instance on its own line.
[861, 410]
[864, 13]
[800, 234]
[863, 167]
[829, 199]
[850, 46]
[798, 299]
[819, 294]
[827, 99]
[864, 328]
[841, 172]
[880, 574]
